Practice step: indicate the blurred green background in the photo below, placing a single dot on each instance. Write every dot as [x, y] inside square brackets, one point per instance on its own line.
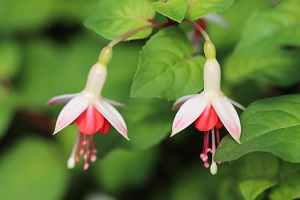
[46, 51]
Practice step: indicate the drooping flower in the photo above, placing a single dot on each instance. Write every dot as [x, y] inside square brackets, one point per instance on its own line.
[91, 112]
[209, 110]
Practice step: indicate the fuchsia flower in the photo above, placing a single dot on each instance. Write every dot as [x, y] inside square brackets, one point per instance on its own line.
[92, 113]
[209, 111]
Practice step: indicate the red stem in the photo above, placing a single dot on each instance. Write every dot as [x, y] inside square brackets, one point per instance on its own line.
[201, 30]
[126, 35]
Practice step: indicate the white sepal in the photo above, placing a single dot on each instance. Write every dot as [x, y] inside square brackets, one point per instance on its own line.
[113, 116]
[181, 100]
[227, 115]
[61, 99]
[71, 111]
[236, 104]
[189, 112]
[115, 103]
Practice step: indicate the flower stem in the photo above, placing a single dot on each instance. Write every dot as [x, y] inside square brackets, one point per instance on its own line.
[126, 35]
[201, 30]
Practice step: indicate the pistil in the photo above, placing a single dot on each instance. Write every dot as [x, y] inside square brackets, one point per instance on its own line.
[73, 157]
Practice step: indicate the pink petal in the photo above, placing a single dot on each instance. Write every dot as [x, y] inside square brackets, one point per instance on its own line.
[207, 120]
[113, 116]
[90, 121]
[105, 128]
[227, 115]
[181, 100]
[189, 112]
[61, 99]
[71, 111]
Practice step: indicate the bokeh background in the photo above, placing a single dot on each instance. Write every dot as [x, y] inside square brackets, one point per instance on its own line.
[45, 51]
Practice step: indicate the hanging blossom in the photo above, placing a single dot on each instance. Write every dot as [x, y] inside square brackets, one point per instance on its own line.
[209, 110]
[91, 112]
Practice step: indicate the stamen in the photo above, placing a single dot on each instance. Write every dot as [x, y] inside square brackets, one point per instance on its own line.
[218, 140]
[72, 158]
[85, 142]
[93, 157]
[84, 148]
[206, 164]
[218, 136]
[203, 157]
[205, 149]
[80, 149]
[206, 141]
[87, 152]
[86, 166]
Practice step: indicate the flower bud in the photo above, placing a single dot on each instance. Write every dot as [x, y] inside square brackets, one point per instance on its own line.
[209, 50]
[105, 56]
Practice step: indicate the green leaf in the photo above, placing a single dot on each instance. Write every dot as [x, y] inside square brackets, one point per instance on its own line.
[77, 11]
[173, 9]
[226, 37]
[167, 67]
[195, 182]
[123, 170]
[259, 172]
[270, 125]
[200, 8]
[7, 107]
[149, 122]
[289, 187]
[31, 17]
[114, 18]
[261, 165]
[10, 59]
[269, 47]
[254, 187]
[31, 170]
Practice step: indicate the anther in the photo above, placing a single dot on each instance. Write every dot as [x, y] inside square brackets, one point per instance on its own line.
[86, 166]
